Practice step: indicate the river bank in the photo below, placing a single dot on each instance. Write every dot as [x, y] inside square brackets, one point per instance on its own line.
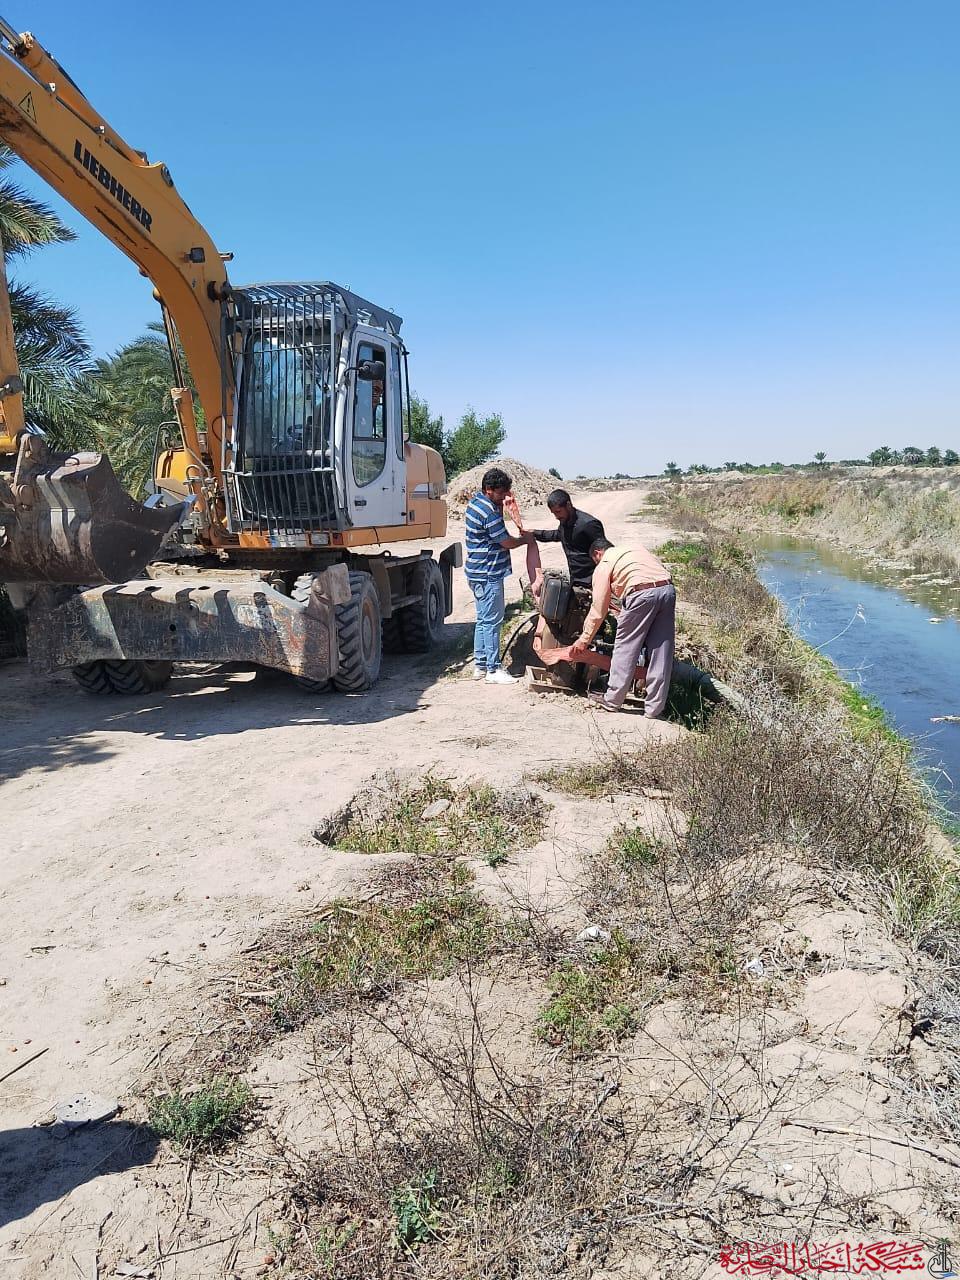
[908, 518]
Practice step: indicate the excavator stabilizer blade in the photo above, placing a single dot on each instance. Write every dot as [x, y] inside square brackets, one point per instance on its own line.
[65, 518]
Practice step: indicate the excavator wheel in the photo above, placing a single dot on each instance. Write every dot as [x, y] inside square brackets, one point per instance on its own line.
[359, 636]
[392, 632]
[422, 623]
[92, 678]
[301, 593]
[131, 676]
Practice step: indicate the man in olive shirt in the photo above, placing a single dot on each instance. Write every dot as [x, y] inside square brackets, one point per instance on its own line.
[576, 532]
[635, 581]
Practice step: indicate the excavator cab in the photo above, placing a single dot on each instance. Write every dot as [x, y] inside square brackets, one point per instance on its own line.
[315, 443]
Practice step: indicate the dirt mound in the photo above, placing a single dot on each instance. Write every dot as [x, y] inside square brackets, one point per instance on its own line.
[530, 484]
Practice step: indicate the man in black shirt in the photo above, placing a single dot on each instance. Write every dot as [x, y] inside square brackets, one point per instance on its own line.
[576, 532]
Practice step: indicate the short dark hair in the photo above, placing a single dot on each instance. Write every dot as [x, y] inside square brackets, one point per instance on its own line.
[600, 544]
[496, 478]
[559, 498]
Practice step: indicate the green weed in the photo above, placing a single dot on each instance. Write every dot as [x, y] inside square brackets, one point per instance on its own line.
[678, 553]
[416, 1208]
[635, 848]
[329, 1246]
[480, 821]
[204, 1118]
[594, 1000]
[364, 949]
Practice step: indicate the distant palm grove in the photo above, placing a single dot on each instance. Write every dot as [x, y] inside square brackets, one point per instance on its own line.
[910, 456]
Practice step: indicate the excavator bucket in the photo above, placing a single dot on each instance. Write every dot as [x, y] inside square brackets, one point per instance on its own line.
[64, 518]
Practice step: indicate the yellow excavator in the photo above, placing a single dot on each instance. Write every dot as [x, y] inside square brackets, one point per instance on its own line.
[276, 500]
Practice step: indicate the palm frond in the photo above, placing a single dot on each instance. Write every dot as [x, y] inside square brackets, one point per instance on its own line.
[26, 223]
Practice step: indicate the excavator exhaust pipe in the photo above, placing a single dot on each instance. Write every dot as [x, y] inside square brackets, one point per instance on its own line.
[65, 519]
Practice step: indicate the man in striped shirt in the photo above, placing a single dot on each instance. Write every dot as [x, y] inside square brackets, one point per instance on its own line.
[488, 564]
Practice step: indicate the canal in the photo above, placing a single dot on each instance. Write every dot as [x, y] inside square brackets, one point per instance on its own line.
[892, 632]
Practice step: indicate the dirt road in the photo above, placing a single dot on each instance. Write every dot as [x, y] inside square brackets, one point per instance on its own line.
[148, 839]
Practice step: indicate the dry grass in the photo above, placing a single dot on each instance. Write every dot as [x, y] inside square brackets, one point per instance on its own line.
[746, 633]
[782, 779]
[914, 513]
[475, 820]
[460, 1165]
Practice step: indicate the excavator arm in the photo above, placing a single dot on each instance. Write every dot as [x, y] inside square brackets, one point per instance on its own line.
[52, 127]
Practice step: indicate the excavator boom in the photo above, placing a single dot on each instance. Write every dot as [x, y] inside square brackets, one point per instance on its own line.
[64, 518]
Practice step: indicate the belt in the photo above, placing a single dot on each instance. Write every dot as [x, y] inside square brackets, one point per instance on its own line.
[647, 586]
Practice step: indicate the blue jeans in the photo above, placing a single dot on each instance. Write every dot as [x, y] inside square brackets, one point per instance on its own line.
[486, 634]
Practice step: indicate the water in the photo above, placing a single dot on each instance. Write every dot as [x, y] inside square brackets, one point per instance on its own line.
[875, 623]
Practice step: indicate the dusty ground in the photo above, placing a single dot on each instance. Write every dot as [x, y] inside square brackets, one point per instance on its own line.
[148, 840]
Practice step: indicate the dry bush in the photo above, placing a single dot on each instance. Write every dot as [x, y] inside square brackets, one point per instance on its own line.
[780, 778]
[454, 1163]
[789, 775]
[929, 1102]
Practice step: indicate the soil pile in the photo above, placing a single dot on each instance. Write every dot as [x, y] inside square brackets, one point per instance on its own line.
[530, 484]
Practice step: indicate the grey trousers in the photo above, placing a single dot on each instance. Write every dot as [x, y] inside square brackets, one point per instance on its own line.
[646, 619]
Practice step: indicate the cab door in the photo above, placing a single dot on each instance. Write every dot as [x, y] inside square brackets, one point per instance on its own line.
[375, 469]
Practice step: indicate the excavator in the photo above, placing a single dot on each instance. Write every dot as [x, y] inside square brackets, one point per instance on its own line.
[286, 498]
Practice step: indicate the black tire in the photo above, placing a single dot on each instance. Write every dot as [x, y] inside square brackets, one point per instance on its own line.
[359, 636]
[301, 593]
[392, 633]
[422, 623]
[130, 676]
[139, 676]
[92, 678]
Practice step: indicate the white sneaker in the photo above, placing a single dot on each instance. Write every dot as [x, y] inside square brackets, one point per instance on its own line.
[479, 673]
[501, 677]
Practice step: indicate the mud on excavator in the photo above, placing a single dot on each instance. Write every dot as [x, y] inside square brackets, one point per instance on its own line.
[268, 537]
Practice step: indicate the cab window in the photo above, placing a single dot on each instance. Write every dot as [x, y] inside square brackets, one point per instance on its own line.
[369, 420]
[396, 408]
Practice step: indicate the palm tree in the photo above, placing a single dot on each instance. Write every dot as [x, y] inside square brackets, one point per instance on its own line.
[134, 401]
[54, 355]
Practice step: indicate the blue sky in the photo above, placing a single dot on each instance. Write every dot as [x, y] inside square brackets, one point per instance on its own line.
[695, 231]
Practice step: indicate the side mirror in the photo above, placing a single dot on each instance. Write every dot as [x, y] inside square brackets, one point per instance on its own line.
[372, 371]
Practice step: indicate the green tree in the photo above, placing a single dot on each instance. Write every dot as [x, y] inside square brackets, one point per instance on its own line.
[912, 456]
[133, 401]
[425, 429]
[552, 471]
[933, 457]
[881, 457]
[673, 471]
[820, 458]
[55, 359]
[951, 458]
[475, 440]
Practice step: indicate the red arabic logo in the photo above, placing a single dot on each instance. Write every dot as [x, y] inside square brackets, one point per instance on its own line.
[892, 1256]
